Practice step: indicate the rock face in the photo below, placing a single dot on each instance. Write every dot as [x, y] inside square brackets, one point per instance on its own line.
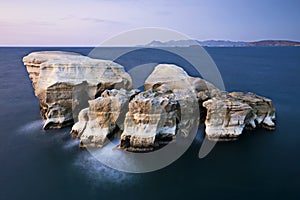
[229, 113]
[103, 116]
[226, 117]
[263, 108]
[151, 115]
[63, 82]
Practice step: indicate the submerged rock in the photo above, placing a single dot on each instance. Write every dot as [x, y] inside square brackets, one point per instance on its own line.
[63, 82]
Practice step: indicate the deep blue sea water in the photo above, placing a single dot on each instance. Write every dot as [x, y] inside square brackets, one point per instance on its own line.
[38, 164]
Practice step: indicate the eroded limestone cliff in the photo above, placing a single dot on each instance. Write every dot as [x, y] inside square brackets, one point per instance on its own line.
[64, 82]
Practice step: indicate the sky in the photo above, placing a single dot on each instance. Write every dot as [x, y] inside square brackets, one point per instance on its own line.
[89, 22]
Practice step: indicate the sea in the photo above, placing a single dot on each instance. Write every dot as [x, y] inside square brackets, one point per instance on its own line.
[48, 164]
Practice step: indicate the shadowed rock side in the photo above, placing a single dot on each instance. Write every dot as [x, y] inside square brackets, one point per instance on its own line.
[103, 116]
[60, 79]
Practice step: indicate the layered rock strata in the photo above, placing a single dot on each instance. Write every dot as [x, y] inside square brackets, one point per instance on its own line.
[151, 115]
[263, 108]
[64, 82]
[228, 114]
[99, 93]
[102, 118]
[226, 117]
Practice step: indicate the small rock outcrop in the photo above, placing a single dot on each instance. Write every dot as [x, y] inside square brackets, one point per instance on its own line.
[263, 108]
[64, 82]
[226, 117]
[228, 114]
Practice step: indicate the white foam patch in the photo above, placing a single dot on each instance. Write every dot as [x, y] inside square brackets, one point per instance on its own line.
[31, 127]
[116, 158]
[72, 143]
[100, 173]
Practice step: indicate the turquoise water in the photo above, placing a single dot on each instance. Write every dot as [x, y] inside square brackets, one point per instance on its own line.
[38, 164]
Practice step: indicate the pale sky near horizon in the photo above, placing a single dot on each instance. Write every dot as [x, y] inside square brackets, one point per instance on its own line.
[89, 22]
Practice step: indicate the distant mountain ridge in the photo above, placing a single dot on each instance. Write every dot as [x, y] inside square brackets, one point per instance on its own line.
[222, 43]
[274, 43]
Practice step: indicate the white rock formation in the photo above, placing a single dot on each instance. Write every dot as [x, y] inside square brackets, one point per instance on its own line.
[102, 117]
[168, 107]
[98, 93]
[228, 114]
[226, 117]
[263, 108]
[63, 82]
[151, 114]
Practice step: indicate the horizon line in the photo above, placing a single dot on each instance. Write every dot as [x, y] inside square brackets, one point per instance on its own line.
[71, 45]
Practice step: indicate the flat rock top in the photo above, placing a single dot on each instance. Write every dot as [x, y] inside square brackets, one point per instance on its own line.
[43, 56]
[68, 59]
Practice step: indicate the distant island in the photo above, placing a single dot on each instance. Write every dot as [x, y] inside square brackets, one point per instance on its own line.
[223, 43]
[273, 43]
